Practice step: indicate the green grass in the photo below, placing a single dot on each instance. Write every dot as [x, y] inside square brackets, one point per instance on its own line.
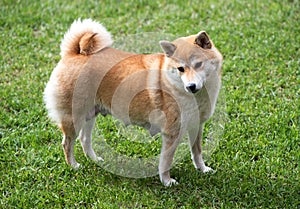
[257, 160]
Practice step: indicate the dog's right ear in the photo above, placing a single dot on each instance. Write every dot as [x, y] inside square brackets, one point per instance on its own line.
[203, 40]
[167, 47]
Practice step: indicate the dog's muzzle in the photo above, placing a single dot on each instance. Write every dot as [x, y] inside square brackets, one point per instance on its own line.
[192, 87]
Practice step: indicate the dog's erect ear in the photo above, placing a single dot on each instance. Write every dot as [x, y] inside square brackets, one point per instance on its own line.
[168, 47]
[203, 40]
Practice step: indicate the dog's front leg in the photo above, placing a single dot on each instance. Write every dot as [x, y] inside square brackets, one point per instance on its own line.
[169, 145]
[195, 138]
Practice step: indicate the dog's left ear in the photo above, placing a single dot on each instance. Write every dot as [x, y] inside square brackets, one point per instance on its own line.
[203, 40]
[168, 47]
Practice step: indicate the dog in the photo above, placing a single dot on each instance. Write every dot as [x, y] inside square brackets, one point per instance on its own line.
[173, 92]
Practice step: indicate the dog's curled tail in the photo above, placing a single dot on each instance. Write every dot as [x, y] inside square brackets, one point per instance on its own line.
[85, 37]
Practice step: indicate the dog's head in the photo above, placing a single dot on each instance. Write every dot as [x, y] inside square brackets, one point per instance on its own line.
[191, 60]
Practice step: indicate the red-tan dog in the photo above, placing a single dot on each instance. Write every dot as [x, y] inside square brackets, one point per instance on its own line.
[171, 93]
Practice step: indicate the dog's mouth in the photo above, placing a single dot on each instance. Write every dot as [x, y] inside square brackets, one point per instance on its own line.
[194, 91]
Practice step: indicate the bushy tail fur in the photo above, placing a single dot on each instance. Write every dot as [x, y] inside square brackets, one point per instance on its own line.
[85, 37]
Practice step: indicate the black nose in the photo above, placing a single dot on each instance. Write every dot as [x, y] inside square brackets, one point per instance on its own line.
[192, 87]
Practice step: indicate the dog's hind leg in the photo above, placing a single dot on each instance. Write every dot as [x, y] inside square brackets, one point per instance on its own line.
[86, 140]
[68, 142]
[195, 138]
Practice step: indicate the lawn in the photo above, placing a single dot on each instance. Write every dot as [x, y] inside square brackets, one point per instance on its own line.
[258, 151]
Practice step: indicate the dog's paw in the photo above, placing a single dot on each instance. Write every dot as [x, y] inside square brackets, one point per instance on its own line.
[170, 182]
[75, 165]
[99, 159]
[92, 156]
[207, 169]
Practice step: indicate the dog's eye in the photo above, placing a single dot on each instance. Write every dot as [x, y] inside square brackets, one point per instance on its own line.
[181, 69]
[198, 64]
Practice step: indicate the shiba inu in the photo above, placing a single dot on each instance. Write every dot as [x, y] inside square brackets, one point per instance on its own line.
[173, 92]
